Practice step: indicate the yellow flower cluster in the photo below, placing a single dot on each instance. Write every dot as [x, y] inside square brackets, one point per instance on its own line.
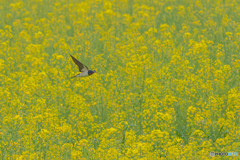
[166, 87]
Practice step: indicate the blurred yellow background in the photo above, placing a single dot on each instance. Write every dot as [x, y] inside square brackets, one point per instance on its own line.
[166, 87]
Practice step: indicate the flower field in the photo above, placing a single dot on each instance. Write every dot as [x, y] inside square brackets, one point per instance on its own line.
[166, 87]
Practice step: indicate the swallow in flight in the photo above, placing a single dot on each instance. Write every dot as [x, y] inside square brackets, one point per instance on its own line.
[82, 68]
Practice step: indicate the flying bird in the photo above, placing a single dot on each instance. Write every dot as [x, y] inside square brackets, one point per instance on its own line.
[82, 68]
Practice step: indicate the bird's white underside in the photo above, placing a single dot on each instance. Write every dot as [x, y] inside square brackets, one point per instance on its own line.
[83, 74]
[84, 69]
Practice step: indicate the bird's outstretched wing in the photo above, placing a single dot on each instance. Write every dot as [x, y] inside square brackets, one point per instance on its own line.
[82, 67]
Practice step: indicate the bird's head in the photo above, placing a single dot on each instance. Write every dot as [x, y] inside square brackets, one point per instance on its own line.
[90, 72]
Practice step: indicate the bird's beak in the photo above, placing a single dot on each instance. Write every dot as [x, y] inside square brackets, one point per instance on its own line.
[94, 71]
